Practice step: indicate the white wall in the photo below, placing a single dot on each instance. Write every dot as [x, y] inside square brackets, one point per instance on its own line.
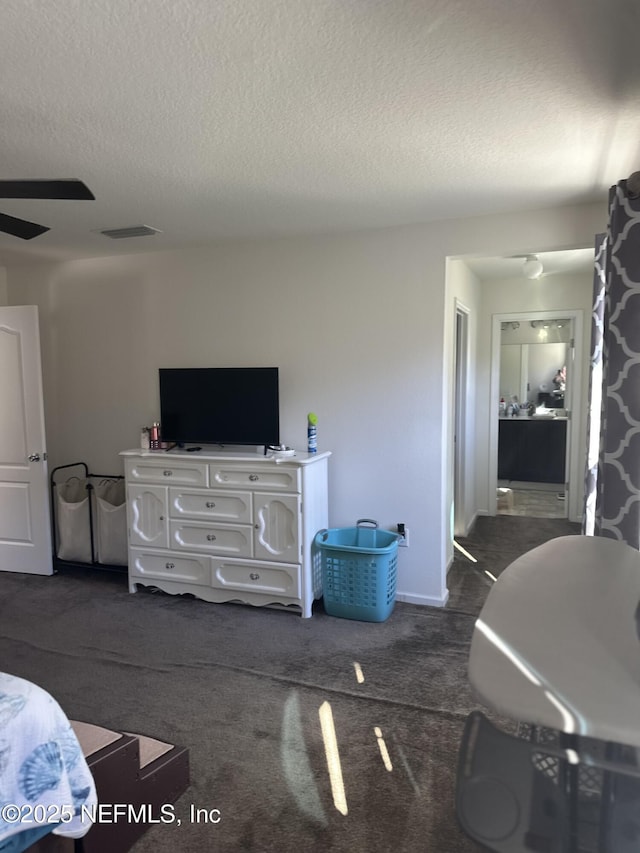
[361, 326]
[3, 287]
[343, 319]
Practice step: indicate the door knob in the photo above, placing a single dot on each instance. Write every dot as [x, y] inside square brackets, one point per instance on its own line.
[33, 457]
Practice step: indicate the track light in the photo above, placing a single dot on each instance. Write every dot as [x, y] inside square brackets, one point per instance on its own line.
[532, 267]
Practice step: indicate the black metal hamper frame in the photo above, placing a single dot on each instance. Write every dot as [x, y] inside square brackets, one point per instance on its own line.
[88, 476]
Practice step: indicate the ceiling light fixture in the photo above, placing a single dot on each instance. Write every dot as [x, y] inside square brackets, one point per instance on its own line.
[532, 267]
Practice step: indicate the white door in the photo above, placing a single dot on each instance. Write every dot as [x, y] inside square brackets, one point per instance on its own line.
[25, 521]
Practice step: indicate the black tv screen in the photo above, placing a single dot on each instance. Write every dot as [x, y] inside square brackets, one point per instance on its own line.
[220, 405]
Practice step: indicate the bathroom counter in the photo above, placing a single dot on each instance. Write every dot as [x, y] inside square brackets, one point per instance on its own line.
[525, 418]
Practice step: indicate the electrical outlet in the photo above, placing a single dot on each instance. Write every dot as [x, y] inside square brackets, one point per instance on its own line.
[403, 532]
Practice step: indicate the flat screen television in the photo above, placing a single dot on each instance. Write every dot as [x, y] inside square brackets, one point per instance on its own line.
[220, 405]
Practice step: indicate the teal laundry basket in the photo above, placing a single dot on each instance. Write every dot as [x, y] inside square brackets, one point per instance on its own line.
[359, 571]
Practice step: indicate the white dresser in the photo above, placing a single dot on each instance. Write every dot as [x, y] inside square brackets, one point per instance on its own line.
[227, 526]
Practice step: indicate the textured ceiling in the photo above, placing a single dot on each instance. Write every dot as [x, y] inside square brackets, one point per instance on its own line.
[216, 119]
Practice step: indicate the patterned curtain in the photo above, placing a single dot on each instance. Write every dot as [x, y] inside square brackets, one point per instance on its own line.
[612, 504]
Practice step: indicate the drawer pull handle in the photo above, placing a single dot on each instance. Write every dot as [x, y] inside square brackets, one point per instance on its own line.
[211, 537]
[253, 477]
[168, 473]
[170, 565]
[254, 576]
[210, 504]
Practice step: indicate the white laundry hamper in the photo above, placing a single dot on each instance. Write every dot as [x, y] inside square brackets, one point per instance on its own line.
[73, 523]
[111, 522]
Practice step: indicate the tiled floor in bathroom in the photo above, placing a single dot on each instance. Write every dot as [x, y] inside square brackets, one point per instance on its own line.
[536, 500]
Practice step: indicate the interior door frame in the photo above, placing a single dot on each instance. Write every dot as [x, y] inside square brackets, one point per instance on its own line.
[460, 416]
[573, 471]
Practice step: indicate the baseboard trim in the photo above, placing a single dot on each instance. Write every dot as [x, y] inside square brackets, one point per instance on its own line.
[469, 525]
[424, 600]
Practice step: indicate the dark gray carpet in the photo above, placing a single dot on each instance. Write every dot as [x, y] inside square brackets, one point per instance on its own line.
[495, 543]
[242, 688]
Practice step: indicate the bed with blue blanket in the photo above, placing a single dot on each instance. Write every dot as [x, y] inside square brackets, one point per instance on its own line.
[45, 782]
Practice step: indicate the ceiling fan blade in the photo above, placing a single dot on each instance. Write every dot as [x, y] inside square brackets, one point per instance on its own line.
[71, 189]
[20, 227]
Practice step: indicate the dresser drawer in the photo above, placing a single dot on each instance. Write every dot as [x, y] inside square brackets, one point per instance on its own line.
[218, 506]
[152, 471]
[232, 540]
[146, 565]
[257, 477]
[245, 575]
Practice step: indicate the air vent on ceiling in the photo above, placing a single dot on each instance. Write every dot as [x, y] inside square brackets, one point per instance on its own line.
[132, 231]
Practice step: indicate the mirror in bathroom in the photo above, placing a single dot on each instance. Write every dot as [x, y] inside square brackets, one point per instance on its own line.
[531, 354]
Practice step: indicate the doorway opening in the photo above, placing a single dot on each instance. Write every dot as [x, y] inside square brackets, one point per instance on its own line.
[532, 431]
